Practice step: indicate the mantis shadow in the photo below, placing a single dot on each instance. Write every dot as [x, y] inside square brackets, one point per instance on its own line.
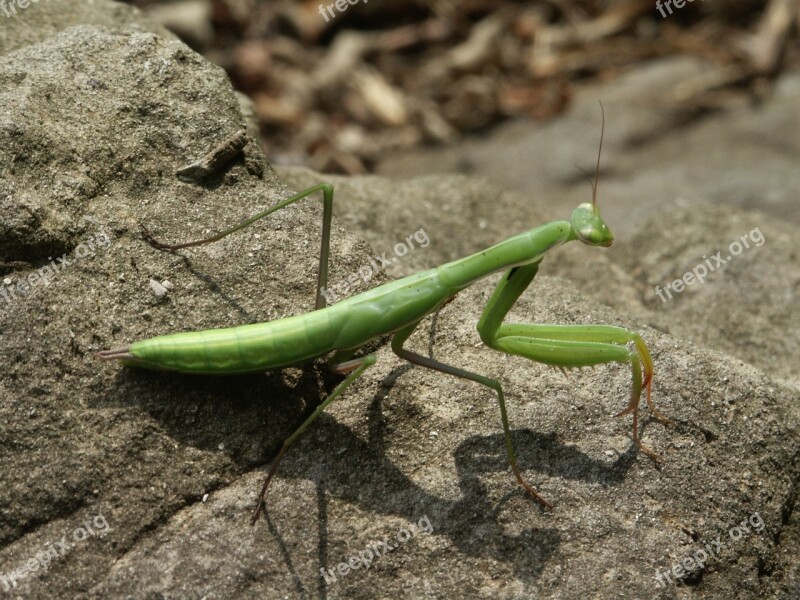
[246, 416]
[473, 521]
[249, 416]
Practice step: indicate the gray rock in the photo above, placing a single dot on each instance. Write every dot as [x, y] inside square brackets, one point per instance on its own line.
[41, 19]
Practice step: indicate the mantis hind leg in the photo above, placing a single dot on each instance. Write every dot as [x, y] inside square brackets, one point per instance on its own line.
[568, 346]
[327, 213]
[355, 368]
[399, 340]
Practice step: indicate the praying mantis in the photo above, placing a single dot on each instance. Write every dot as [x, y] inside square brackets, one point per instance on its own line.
[397, 308]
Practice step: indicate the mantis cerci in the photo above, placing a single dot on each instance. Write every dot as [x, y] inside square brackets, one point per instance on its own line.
[397, 308]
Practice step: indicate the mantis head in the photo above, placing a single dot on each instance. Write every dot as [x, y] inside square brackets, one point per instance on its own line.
[587, 225]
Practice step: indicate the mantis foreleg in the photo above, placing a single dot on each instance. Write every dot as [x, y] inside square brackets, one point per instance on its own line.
[567, 345]
[327, 213]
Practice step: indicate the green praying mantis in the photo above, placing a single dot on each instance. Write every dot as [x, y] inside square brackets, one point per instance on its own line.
[397, 308]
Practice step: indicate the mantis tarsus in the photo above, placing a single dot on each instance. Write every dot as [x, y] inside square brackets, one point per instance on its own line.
[397, 308]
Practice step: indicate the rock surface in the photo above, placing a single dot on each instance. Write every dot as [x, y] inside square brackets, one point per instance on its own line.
[139, 484]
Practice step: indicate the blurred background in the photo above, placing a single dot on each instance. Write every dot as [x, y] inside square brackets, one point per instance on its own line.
[342, 86]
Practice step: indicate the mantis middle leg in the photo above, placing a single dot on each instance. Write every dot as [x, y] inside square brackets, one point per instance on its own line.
[400, 338]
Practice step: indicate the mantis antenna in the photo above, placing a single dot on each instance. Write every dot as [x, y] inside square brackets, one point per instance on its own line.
[599, 150]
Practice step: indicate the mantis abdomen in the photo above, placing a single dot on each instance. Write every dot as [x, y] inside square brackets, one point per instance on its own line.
[293, 340]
